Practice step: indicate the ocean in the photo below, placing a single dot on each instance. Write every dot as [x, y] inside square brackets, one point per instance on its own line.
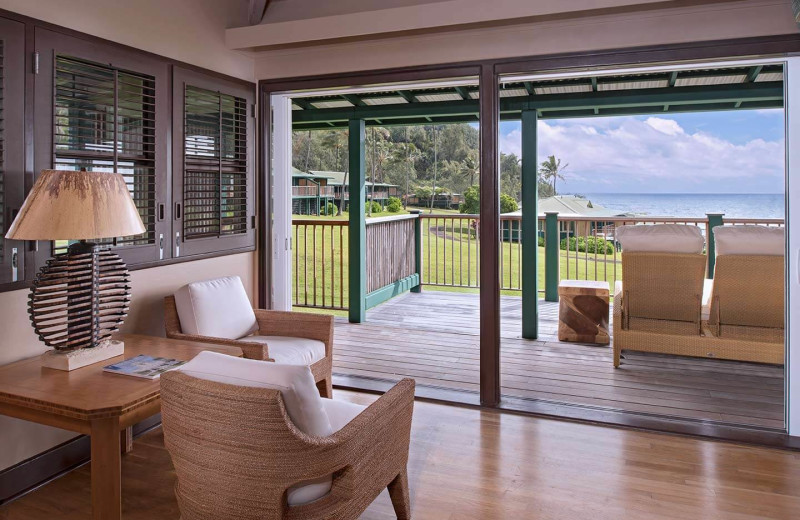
[693, 205]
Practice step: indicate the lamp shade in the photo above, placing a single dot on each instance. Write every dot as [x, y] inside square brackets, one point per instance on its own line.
[76, 205]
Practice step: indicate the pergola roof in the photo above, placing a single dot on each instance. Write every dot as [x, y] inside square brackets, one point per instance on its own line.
[698, 90]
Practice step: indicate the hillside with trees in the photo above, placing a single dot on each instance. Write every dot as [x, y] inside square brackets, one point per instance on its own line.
[419, 159]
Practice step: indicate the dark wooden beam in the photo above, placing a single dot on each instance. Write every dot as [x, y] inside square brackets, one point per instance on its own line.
[490, 237]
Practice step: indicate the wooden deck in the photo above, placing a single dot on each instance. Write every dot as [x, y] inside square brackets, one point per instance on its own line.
[433, 337]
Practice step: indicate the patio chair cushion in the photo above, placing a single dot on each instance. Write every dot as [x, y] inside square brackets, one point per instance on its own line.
[660, 238]
[217, 308]
[291, 351]
[295, 382]
[749, 240]
[339, 413]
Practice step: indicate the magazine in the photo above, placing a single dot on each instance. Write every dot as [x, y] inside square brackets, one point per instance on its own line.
[146, 367]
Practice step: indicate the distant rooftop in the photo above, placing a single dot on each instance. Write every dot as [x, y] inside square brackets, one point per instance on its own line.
[570, 206]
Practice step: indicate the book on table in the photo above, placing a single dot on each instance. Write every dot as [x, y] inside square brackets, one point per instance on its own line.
[145, 367]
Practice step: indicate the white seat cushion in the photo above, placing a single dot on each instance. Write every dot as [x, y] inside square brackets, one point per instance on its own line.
[660, 238]
[295, 382]
[339, 413]
[708, 286]
[291, 351]
[217, 308]
[749, 240]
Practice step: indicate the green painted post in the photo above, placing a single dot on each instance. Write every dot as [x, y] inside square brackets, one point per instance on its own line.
[357, 228]
[417, 248]
[530, 227]
[552, 240]
[714, 220]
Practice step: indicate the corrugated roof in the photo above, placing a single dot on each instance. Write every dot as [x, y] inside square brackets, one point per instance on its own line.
[569, 206]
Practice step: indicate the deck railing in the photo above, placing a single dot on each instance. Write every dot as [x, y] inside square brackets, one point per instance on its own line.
[320, 263]
[447, 249]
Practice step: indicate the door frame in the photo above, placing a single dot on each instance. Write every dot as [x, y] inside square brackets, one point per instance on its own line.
[489, 72]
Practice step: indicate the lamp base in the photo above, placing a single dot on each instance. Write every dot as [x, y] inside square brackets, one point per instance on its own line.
[72, 359]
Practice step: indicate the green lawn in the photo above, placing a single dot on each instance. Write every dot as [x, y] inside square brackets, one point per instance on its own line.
[320, 261]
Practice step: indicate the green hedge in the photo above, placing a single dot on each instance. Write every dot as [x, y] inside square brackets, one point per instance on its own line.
[588, 245]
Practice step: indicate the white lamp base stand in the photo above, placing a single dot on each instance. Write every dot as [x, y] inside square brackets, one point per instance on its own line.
[82, 357]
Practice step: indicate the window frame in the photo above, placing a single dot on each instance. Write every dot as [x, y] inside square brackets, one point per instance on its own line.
[49, 44]
[181, 77]
[13, 138]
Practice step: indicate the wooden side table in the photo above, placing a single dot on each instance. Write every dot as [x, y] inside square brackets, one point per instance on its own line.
[583, 311]
[95, 403]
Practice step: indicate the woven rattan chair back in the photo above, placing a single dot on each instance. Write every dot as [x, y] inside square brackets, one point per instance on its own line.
[663, 286]
[748, 291]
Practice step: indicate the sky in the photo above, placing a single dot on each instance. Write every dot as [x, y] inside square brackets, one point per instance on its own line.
[707, 152]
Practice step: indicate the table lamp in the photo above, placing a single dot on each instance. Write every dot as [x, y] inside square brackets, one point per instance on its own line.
[79, 298]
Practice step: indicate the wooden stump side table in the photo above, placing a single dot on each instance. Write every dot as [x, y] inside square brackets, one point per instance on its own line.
[583, 311]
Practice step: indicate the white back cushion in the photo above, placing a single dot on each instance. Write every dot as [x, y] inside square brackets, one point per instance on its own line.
[218, 308]
[295, 382]
[749, 240]
[660, 238]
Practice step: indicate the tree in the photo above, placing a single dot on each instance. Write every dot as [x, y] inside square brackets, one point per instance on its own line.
[404, 156]
[507, 204]
[472, 201]
[336, 139]
[551, 170]
[511, 175]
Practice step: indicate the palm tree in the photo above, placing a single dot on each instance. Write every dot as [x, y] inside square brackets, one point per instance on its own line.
[405, 154]
[551, 170]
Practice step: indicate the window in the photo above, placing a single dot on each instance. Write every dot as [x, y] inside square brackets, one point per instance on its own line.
[12, 170]
[214, 177]
[105, 122]
[106, 109]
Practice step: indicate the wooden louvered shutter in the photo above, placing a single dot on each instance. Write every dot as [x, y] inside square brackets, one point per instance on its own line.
[12, 92]
[105, 110]
[215, 174]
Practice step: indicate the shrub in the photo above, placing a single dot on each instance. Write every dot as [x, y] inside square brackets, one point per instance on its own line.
[376, 208]
[472, 201]
[329, 209]
[588, 245]
[507, 204]
[393, 205]
[541, 241]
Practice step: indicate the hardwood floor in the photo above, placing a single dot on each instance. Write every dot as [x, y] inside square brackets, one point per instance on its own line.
[469, 464]
[433, 337]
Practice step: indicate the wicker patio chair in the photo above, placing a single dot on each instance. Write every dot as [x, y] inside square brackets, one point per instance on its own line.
[238, 454]
[658, 303]
[746, 308]
[279, 327]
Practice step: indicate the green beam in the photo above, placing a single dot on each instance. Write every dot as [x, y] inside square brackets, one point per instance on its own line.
[753, 73]
[388, 292]
[714, 220]
[357, 228]
[673, 77]
[530, 225]
[407, 95]
[355, 100]
[417, 248]
[594, 84]
[464, 93]
[303, 103]
[552, 241]
[529, 87]
[638, 101]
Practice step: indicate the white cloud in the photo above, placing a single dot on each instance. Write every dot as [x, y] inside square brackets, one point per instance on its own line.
[655, 154]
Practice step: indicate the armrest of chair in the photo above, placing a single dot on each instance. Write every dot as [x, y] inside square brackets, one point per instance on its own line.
[618, 299]
[250, 350]
[296, 325]
[371, 449]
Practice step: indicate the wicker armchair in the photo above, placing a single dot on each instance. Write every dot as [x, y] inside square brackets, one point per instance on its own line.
[237, 453]
[271, 323]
